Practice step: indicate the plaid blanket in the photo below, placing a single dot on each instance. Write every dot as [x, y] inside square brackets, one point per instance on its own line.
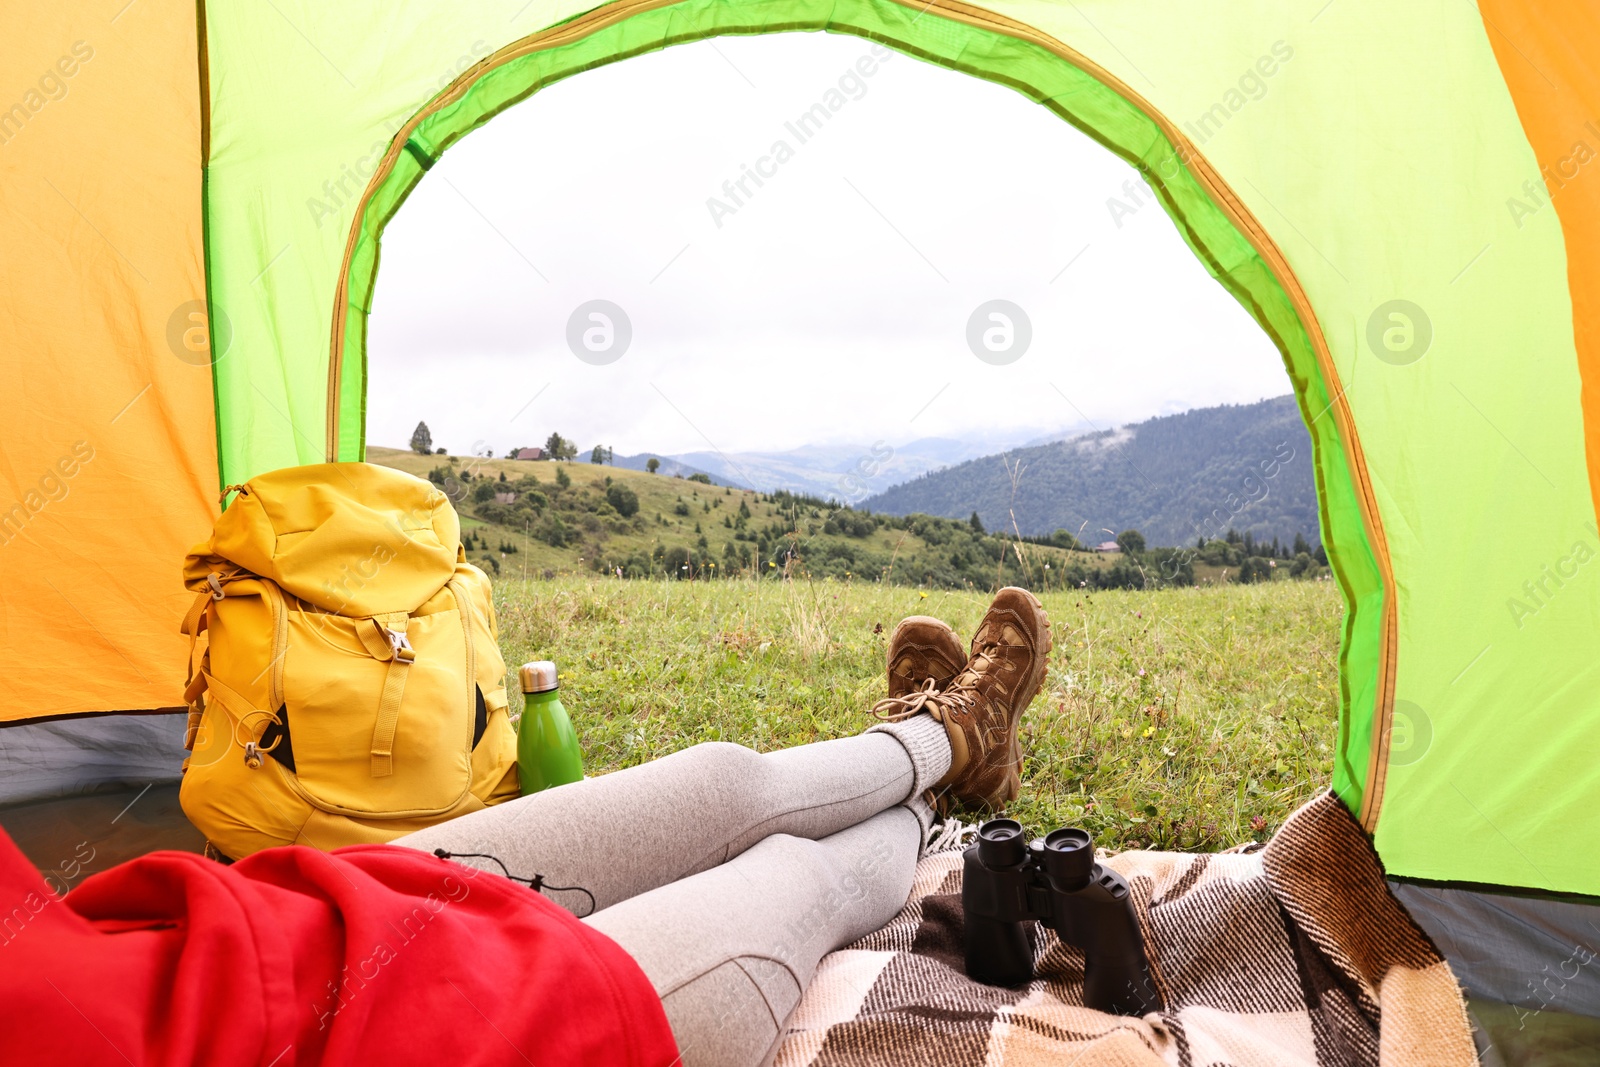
[1285, 954]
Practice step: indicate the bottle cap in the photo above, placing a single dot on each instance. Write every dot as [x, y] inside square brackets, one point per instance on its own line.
[538, 676]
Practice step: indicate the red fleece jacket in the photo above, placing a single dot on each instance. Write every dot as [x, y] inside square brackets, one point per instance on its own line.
[371, 954]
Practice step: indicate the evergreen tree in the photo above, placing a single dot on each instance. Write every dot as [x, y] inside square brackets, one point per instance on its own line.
[421, 440]
[558, 447]
[976, 524]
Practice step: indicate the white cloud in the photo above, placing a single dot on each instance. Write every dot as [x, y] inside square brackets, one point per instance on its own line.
[830, 306]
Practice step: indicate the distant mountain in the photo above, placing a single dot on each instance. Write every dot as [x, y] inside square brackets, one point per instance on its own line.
[671, 466]
[1173, 478]
[844, 472]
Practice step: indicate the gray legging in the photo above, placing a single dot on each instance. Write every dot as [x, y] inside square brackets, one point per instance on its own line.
[727, 875]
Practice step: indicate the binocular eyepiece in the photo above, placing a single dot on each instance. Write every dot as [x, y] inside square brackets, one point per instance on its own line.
[1009, 883]
[1067, 854]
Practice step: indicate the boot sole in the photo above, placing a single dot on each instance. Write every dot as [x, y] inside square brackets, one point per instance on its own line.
[1043, 665]
[1013, 786]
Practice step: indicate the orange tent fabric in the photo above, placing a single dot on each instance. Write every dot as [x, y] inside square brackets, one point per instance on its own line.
[108, 472]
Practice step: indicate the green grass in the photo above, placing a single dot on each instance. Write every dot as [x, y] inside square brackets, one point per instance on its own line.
[1178, 718]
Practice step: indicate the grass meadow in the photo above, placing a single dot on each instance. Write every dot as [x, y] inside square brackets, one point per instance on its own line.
[1192, 718]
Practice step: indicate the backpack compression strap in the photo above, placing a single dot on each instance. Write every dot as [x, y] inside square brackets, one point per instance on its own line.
[193, 625]
[385, 639]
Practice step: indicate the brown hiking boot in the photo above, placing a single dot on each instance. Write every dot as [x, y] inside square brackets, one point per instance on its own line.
[923, 648]
[983, 706]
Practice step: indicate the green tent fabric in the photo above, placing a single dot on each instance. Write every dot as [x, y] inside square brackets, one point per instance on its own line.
[1347, 185]
[1399, 194]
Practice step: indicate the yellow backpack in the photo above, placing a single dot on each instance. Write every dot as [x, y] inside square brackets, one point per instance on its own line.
[349, 687]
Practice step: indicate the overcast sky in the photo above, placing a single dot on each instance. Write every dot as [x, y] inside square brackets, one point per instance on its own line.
[830, 303]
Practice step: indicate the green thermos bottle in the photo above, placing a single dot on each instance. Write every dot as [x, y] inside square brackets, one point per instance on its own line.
[547, 748]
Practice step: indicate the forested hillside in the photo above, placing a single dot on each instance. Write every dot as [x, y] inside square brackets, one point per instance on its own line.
[1175, 479]
[527, 519]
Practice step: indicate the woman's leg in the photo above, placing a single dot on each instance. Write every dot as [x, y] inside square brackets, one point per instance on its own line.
[626, 833]
[731, 950]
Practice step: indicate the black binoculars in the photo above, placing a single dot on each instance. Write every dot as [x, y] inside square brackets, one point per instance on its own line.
[1009, 882]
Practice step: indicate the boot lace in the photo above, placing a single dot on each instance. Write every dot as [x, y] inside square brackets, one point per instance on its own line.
[962, 694]
[898, 709]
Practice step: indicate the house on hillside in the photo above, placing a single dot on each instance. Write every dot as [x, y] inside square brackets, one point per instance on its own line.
[505, 498]
[529, 453]
[1108, 546]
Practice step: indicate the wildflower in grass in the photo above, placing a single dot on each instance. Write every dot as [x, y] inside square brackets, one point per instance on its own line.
[1149, 732]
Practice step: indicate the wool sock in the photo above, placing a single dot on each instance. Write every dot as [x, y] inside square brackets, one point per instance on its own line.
[926, 742]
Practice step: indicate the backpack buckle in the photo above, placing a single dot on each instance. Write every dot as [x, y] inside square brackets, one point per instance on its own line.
[217, 592]
[252, 755]
[401, 644]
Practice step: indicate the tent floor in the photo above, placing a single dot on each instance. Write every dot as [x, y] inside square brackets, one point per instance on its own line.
[1509, 1036]
[60, 836]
